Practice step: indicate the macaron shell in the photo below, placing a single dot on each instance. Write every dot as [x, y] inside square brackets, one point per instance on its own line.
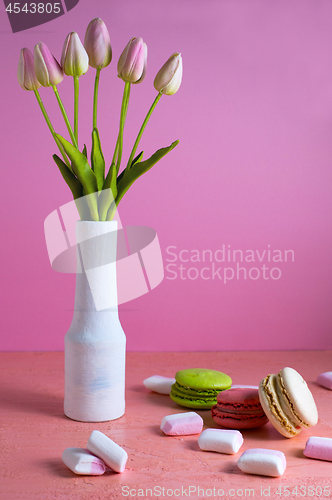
[240, 399]
[297, 400]
[270, 403]
[203, 379]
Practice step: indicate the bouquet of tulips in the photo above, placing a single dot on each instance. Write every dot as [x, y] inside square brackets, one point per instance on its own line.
[97, 193]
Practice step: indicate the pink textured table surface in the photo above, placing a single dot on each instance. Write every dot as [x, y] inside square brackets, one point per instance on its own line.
[34, 432]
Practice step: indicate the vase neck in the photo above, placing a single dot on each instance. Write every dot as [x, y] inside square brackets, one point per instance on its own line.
[96, 283]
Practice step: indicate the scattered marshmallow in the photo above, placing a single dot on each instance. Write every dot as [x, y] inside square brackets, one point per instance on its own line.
[244, 386]
[113, 455]
[220, 440]
[182, 424]
[319, 447]
[263, 462]
[81, 461]
[325, 380]
[160, 384]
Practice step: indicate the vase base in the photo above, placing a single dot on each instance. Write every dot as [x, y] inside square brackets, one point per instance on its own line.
[87, 418]
[94, 413]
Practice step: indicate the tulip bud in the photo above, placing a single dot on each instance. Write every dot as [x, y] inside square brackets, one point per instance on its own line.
[97, 44]
[132, 62]
[48, 70]
[168, 78]
[74, 59]
[26, 72]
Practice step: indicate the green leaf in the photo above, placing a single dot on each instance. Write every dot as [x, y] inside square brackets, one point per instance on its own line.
[84, 174]
[135, 160]
[76, 188]
[85, 152]
[97, 159]
[108, 195]
[139, 169]
[74, 184]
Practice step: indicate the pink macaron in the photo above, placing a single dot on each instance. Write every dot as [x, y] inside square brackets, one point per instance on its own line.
[239, 408]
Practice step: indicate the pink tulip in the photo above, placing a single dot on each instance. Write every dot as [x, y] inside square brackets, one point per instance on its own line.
[74, 59]
[132, 62]
[47, 68]
[26, 71]
[97, 44]
[168, 78]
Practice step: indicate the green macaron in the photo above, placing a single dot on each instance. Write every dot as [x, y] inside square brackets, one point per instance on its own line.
[198, 387]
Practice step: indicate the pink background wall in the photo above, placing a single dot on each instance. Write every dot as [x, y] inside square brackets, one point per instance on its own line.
[253, 168]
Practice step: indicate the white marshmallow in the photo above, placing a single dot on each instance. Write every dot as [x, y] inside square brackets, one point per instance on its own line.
[220, 440]
[263, 462]
[160, 384]
[182, 424]
[81, 461]
[113, 455]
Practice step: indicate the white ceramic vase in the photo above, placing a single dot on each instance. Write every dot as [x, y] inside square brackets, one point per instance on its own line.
[95, 343]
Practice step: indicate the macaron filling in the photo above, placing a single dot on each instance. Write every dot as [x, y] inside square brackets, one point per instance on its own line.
[192, 398]
[290, 405]
[270, 392]
[212, 393]
[221, 415]
[238, 410]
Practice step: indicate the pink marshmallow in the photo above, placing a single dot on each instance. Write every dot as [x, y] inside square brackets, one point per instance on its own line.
[81, 461]
[262, 462]
[181, 424]
[325, 380]
[319, 447]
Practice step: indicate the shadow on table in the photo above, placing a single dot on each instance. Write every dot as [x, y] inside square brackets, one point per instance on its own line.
[192, 444]
[156, 399]
[54, 467]
[155, 429]
[232, 468]
[29, 401]
[297, 452]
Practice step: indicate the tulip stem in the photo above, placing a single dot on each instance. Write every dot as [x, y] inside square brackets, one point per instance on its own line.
[115, 151]
[140, 133]
[124, 109]
[64, 114]
[76, 93]
[50, 126]
[95, 98]
[114, 159]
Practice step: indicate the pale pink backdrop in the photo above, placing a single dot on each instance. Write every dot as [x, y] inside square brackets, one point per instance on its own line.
[253, 168]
